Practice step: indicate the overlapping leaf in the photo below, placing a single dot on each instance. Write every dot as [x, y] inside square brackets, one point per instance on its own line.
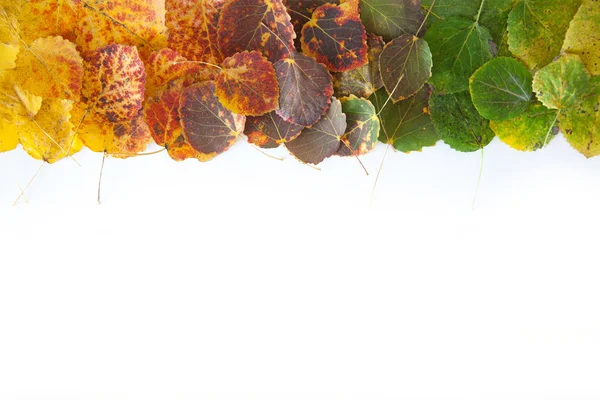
[42, 18]
[305, 89]
[362, 127]
[581, 123]
[406, 125]
[583, 36]
[391, 19]
[560, 84]
[9, 39]
[365, 80]
[270, 130]
[405, 66]
[459, 123]
[501, 89]
[536, 29]
[301, 12]
[336, 37]
[247, 84]
[323, 139]
[262, 25]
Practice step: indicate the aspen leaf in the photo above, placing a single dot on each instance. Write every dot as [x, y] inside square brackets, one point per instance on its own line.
[406, 125]
[9, 39]
[262, 25]
[581, 123]
[9, 136]
[51, 68]
[193, 28]
[391, 19]
[323, 139]
[336, 37]
[42, 18]
[405, 66]
[583, 36]
[363, 81]
[501, 89]
[459, 123]
[17, 105]
[49, 136]
[362, 127]
[301, 11]
[208, 127]
[166, 65]
[537, 28]
[114, 80]
[560, 84]
[305, 89]
[270, 130]
[247, 84]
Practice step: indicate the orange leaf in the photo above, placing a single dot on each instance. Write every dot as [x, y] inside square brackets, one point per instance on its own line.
[248, 84]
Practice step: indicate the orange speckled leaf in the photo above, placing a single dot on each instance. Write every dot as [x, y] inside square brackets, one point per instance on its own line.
[270, 130]
[122, 139]
[165, 66]
[51, 68]
[9, 39]
[262, 25]
[305, 89]
[129, 22]
[41, 18]
[336, 37]
[114, 81]
[193, 26]
[301, 11]
[16, 105]
[208, 126]
[247, 84]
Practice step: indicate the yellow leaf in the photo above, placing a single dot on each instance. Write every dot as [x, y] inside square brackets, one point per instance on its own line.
[49, 136]
[51, 68]
[9, 39]
[16, 105]
[121, 140]
[137, 23]
[583, 36]
[9, 139]
[41, 18]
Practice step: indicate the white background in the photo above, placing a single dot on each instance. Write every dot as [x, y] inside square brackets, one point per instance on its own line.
[252, 278]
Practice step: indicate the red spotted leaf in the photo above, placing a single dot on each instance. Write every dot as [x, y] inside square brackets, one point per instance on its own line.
[113, 82]
[193, 27]
[323, 139]
[301, 11]
[336, 37]
[247, 84]
[305, 89]
[208, 127]
[262, 25]
[270, 130]
[166, 65]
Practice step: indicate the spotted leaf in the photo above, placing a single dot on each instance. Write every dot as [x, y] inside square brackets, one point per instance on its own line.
[270, 130]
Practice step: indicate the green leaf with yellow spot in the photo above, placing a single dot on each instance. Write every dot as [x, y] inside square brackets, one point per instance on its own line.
[391, 18]
[581, 123]
[583, 36]
[560, 84]
[362, 127]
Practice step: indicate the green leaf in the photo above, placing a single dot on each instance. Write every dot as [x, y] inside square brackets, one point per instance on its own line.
[405, 66]
[458, 46]
[536, 29]
[501, 89]
[458, 122]
[323, 139]
[583, 36]
[406, 124]
[581, 123]
[391, 18]
[529, 131]
[365, 80]
[362, 127]
[560, 84]
[444, 9]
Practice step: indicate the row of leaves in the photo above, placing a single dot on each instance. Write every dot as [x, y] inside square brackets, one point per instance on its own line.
[321, 77]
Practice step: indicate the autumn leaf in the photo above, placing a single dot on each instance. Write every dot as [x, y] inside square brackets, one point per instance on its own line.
[563, 82]
[165, 66]
[118, 139]
[362, 127]
[530, 131]
[49, 136]
[581, 123]
[391, 19]
[42, 18]
[363, 81]
[247, 84]
[583, 36]
[305, 89]
[208, 127]
[9, 40]
[459, 123]
[9, 136]
[537, 28]
[323, 139]
[301, 12]
[17, 105]
[405, 66]
[262, 25]
[114, 79]
[406, 125]
[193, 28]
[270, 130]
[336, 37]
[501, 89]
[51, 68]
[102, 23]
